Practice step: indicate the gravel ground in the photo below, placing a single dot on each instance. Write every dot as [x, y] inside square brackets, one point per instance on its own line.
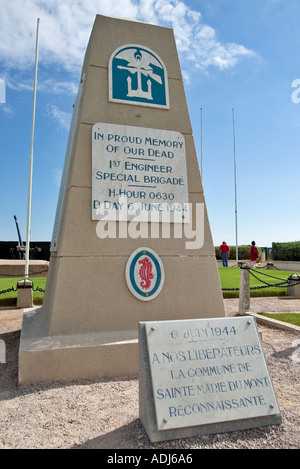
[105, 414]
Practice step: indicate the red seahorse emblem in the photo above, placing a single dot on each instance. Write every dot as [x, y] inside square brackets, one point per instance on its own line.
[145, 273]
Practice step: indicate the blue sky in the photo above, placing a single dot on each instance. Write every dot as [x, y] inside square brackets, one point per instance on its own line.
[241, 54]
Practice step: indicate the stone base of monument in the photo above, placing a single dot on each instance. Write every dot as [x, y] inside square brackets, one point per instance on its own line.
[203, 376]
[44, 358]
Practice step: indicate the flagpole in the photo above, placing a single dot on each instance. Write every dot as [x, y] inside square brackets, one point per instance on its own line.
[31, 157]
[235, 192]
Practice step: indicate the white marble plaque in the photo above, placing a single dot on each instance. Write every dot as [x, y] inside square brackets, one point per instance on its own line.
[138, 174]
[208, 371]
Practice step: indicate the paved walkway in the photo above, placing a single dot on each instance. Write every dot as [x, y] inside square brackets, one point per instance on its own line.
[264, 305]
[11, 318]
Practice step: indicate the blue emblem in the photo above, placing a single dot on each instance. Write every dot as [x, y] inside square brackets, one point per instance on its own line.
[138, 76]
[144, 274]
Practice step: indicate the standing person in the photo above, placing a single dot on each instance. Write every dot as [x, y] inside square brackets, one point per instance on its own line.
[224, 249]
[253, 254]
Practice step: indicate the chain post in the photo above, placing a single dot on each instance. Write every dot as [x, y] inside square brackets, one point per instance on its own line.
[244, 295]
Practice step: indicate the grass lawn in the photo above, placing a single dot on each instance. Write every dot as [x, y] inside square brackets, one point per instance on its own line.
[230, 278]
[291, 318]
[10, 298]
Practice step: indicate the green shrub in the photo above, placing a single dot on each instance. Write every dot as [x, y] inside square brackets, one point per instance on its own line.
[286, 251]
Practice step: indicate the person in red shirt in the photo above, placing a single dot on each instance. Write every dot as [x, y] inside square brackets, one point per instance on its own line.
[224, 249]
[253, 254]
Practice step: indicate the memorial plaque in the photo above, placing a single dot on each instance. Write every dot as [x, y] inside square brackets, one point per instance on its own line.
[138, 171]
[208, 371]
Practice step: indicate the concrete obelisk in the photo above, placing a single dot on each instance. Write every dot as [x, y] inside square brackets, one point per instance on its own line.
[131, 239]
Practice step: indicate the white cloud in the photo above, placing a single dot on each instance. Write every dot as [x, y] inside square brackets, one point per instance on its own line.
[64, 30]
[48, 85]
[196, 41]
[7, 110]
[62, 118]
[2, 91]
[58, 87]
[65, 27]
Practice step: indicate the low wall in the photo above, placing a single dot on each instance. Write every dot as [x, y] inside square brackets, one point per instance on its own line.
[16, 268]
[286, 265]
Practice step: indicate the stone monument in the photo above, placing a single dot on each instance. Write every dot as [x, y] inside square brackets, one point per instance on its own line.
[131, 239]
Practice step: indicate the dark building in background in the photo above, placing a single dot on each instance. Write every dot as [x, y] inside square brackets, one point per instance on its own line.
[39, 250]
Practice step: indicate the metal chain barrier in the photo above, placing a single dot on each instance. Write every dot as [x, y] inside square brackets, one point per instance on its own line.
[38, 289]
[16, 289]
[8, 290]
[263, 273]
[230, 289]
[281, 284]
